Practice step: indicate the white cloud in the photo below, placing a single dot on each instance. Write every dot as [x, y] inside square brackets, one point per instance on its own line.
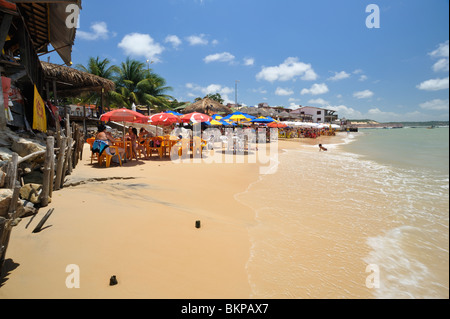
[197, 39]
[442, 50]
[211, 89]
[249, 61]
[363, 78]
[290, 69]
[434, 85]
[316, 89]
[260, 91]
[318, 102]
[442, 53]
[141, 45]
[219, 57]
[339, 76]
[358, 71]
[441, 66]
[346, 112]
[366, 94]
[435, 105]
[99, 31]
[174, 40]
[283, 92]
[380, 115]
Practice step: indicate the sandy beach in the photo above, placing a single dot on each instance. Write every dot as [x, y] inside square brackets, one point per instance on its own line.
[137, 223]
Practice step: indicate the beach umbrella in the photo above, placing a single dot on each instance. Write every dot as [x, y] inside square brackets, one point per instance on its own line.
[174, 113]
[214, 123]
[164, 119]
[263, 120]
[277, 125]
[195, 117]
[123, 115]
[239, 116]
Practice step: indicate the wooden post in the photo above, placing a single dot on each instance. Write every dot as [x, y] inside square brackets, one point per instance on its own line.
[11, 172]
[76, 149]
[49, 158]
[2, 244]
[60, 163]
[84, 120]
[66, 159]
[52, 175]
[38, 228]
[55, 97]
[13, 204]
[6, 225]
[82, 138]
[2, 108]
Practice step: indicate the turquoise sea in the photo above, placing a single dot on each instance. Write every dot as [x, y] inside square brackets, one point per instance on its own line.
[377, 203]
[414, 254]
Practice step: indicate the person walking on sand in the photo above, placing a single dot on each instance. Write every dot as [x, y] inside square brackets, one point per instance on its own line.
[321, 148]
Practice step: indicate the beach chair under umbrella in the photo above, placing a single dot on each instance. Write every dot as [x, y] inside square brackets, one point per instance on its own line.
[124, 115]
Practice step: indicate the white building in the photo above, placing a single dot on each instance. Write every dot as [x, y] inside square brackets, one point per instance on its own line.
[318, 115]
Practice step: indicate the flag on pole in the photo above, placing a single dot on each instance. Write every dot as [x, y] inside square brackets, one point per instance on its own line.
[39, 117]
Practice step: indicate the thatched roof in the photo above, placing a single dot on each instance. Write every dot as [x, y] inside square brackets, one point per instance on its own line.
[250, 110]
[207, 106]
[284, 115]
[46, 23]
[71, 82]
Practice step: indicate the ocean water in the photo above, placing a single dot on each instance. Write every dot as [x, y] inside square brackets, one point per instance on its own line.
[367, 219]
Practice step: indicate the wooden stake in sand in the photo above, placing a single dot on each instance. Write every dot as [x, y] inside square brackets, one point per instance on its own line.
[42, 222]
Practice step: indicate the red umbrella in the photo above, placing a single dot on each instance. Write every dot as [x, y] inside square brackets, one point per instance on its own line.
[195, 118]
[124, 115]
[277, 125]
[164, 119]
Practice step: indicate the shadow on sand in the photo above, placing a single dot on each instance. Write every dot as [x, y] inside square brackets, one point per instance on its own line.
[8, 266]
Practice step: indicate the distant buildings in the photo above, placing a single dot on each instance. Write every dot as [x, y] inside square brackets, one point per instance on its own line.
[317, 115]
[302, 113]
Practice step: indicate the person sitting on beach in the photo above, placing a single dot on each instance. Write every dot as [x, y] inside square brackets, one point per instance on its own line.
[132, 136]
[321, 148]
[106, 139]
[142, 138]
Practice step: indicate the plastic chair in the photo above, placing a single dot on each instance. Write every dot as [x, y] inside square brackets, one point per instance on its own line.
[155, 144]
[94, 156]
[107, 158]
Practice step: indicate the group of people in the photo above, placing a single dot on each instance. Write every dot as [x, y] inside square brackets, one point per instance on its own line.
[137, 140]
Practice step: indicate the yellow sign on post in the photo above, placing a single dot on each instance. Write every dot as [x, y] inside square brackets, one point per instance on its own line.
[39, 117]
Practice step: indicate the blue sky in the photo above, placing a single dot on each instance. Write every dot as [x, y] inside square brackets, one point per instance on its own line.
[284, 52]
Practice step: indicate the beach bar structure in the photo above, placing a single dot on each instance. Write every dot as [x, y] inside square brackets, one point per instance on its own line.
[29, 30]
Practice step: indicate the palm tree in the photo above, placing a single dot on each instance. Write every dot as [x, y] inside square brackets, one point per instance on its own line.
[137, 85]
[99, 68]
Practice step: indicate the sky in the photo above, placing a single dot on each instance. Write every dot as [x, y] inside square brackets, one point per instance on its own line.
[378, 59]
